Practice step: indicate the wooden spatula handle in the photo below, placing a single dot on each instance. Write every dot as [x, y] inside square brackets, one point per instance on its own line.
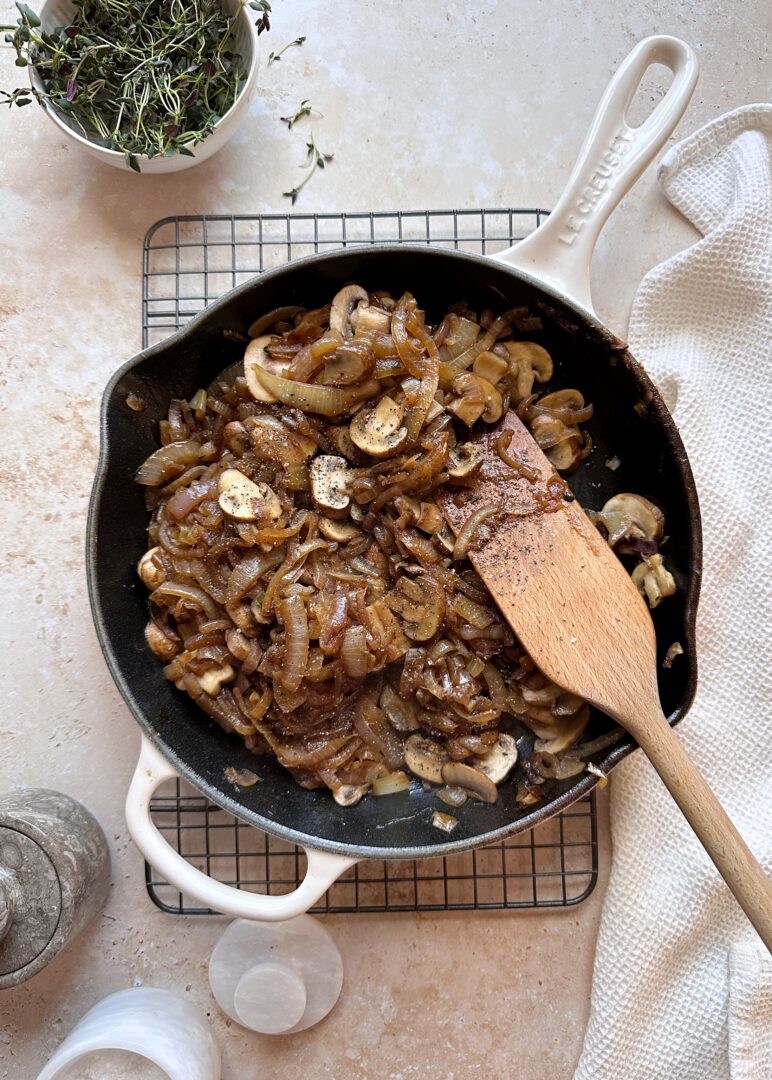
[733, 859]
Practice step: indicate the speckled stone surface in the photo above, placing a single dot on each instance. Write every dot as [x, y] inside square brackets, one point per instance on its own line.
[58, 860]
[458, 104]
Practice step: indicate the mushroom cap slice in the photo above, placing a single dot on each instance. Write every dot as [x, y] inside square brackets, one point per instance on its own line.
[376, 429]
[340, 532]
[490, 366]
[529, 354]
[401, 712]
[560, 443]
[256, 356]
[150, 572]
[344, 370]
[420, 603]
[563, 399]
[464, 460]
[350, 794]
[566, 456]
[329, 484]
[339, 437]
[265, 322]
[235, 437]
[631, 515]
[247, 500]
[367, 317]
[426, 758]
[654, 580]
[211, 681]
[343, 305]
[479, 398]
[473, 781]
[500, 760]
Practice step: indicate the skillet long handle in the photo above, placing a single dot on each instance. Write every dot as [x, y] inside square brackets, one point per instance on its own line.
[612, 158]
[733, 858]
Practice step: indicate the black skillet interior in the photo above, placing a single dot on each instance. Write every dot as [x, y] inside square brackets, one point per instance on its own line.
[628, 423]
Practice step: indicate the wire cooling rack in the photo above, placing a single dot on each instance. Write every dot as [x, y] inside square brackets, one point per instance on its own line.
[191, 261]
[187, 263]
[554, 865]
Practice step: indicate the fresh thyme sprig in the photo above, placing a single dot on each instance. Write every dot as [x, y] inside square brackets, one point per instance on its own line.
[278, 55]
[304, 109]
[140, 76]
[315, 159]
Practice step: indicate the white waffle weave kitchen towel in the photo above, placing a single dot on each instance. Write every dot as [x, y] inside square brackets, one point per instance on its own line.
[682, 987]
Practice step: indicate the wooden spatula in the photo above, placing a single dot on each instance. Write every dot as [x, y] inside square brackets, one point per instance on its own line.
[576, 610]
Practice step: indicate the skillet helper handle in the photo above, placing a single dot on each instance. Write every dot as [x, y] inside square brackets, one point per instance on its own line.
[613, 156]
[323, 868]
[733, 858]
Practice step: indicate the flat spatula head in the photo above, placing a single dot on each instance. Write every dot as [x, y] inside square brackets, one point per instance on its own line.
[556, 581]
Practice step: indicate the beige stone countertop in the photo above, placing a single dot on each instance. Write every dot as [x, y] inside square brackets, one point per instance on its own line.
[424, 105]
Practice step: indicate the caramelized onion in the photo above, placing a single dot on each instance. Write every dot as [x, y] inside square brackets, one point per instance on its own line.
[167, 462]
[326, 400]
[342, 622]
[292, 613]
[466, 536]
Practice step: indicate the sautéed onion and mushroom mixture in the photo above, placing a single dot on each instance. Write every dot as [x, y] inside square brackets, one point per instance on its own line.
[306, 590]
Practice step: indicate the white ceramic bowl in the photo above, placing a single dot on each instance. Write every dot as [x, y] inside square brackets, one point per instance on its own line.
[55, 13]
[156, 1025]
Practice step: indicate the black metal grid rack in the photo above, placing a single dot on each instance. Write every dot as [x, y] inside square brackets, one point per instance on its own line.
[554, 865]
[187, 263]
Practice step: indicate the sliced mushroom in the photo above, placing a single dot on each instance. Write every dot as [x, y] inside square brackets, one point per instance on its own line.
[425, 515]
[340, 438]
[338, 531]
[365, 317]
[247, 500]
[527, 361]
[255, 357]
[165, 644]
[654, 580]
[400, 712]
[627, 515]
[570, 400]
[377, 429]
[265, 322]
[211, 681]
[235, 437]
[148, 569]
[554, 737]
[420, 603]
[478, 398]
[499, 761]
[561, 444]
[490, 366]
[350, 794]
[473, 781]
[426, 758]
[330, 477]
[430, 519]
[464, 460]
[343, 305]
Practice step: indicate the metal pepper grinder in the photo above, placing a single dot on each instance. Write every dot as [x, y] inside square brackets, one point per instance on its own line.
[54, 877]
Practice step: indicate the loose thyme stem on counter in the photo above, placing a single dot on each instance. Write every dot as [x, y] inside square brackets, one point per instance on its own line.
[272, 57]
[315, 159]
